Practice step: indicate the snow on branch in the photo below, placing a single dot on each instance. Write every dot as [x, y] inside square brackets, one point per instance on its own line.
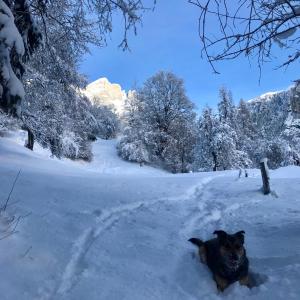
[18, 38]
[10, 38]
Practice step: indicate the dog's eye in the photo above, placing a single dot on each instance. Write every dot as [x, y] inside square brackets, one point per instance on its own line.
[227, 246]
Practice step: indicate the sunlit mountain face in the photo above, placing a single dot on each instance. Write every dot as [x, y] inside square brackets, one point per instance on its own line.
[103, 92]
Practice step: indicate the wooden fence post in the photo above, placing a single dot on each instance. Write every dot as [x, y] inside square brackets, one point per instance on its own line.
[240, 172]
[265, 176]
[30, 139]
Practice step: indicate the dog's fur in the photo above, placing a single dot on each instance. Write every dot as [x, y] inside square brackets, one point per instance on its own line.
[226, 257]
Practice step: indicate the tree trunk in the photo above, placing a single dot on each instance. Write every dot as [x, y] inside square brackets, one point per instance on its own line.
[265, 176]
[215, 161]
[30, 140]
[240, 172]
[183, 169]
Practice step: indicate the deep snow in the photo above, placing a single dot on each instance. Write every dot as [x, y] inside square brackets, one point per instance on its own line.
[115, 230]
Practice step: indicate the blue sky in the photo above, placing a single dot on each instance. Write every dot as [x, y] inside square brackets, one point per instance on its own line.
[168, 40]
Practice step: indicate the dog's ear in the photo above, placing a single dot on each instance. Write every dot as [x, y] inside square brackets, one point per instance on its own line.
[240, 236]
[222, 235]
[240, 232]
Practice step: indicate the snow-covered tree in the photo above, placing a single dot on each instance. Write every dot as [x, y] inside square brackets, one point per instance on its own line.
[219, 146]
[68, 27]
[132, 145]
[206, 156]
[52, 82]
[226, 108]
[179, 152]
[226, 147]
[247, 133]
[245, 125]
[19, 37]
[55, 113]
[164, 106]
[159, 123]
[108, 123]
[228, 142]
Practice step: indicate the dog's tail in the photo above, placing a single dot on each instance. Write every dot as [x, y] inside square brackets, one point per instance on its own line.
[196, 242]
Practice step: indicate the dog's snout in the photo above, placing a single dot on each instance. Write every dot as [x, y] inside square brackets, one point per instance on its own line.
[234, 256]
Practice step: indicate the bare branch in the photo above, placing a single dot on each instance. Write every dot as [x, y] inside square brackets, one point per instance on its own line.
[14, 224]
[248, 27]
[12, 189]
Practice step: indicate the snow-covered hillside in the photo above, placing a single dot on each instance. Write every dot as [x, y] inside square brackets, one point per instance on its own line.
[284, 104]
[115, 230]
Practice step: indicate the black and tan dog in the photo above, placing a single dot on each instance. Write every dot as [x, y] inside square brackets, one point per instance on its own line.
[226, 257]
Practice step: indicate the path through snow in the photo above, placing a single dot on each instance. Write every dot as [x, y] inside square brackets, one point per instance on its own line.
[104, 221]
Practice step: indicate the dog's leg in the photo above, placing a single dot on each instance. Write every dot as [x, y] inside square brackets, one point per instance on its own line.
[222, 283]
[202, 254]
[245, 281]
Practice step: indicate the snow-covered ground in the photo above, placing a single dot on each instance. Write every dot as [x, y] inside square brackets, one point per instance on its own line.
[115, 230]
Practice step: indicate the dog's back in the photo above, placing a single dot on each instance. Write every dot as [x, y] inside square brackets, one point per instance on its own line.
[209, 252]
[213, 258]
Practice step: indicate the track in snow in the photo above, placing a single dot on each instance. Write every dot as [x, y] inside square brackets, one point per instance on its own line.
[104, 221]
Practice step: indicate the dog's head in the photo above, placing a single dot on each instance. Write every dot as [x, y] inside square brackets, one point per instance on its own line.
[231, 248]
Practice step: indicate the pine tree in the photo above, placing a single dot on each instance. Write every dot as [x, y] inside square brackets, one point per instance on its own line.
[219, 146]
[206, 155]
[246, 127]
[226, 108]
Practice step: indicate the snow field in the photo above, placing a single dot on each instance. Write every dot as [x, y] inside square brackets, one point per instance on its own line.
[115, 230]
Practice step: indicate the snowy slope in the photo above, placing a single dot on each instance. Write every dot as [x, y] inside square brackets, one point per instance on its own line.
[106, 161]
[115, 230]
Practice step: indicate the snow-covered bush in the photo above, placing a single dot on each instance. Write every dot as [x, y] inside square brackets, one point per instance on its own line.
[278, 152]
[8, 123]
[133, 151]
